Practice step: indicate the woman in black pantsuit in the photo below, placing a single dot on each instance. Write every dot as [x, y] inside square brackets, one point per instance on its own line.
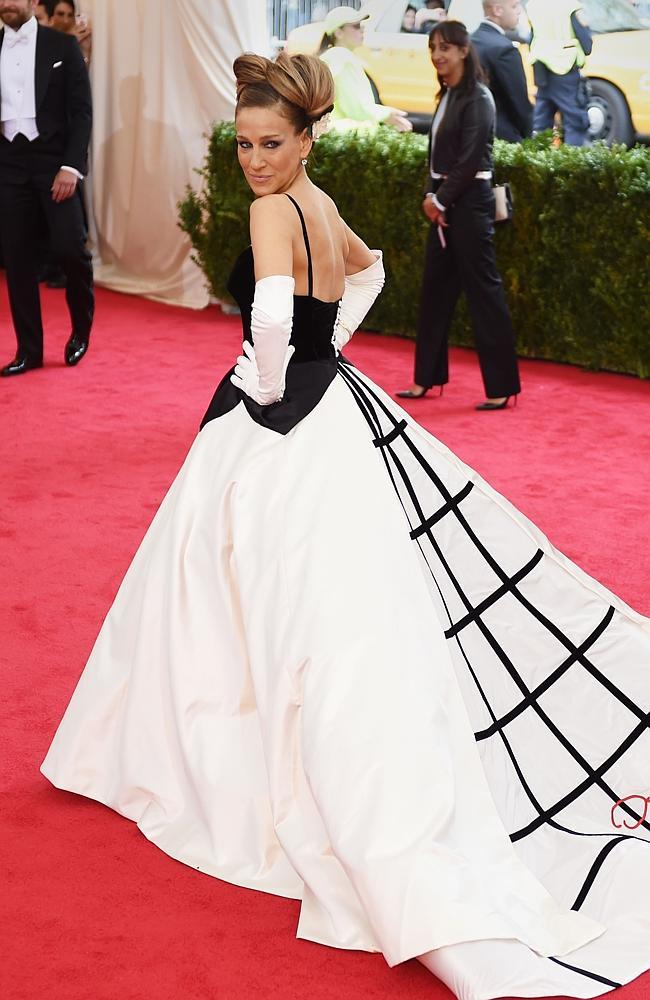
[460, 253]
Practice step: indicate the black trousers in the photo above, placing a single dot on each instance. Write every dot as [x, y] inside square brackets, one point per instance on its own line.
[27, 171]
[467, 264]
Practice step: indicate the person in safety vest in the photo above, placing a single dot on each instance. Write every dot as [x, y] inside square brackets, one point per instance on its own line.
[561, 41]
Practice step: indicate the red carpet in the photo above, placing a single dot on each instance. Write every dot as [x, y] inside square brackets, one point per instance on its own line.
[92, 911]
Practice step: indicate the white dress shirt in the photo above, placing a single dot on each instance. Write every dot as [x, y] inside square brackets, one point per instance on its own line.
[439, 115]
[18, 84]
[493, 24]
[17, 81]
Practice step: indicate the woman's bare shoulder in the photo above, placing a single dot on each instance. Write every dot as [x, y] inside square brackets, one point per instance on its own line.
[271, 230]
[269, 206]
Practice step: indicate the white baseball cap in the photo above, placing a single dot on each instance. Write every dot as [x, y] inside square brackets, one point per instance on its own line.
[340, 16]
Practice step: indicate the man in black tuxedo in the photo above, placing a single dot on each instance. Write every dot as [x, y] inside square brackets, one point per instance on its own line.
[45, 122]
[502, 63]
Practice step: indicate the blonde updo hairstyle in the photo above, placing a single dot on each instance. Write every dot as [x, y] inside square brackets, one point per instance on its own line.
[301, 85]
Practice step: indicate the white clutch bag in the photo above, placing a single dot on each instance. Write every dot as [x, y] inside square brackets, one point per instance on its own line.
[502, 202]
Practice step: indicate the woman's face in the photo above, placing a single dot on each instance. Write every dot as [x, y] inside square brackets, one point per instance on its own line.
[408, 21]
[350, 36]
[41, 14]
[63, 18]
[448, 59]
[268, 149]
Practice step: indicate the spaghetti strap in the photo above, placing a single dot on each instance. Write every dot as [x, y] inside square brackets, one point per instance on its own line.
[310, 270]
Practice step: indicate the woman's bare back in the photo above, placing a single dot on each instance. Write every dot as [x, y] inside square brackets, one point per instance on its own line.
[279, 246]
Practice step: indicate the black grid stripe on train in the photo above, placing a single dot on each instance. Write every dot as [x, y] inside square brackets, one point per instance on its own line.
[389, 432]
[377, 415]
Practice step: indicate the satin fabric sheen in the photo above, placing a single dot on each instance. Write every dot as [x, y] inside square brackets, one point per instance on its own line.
[272, 700]
[343, 669]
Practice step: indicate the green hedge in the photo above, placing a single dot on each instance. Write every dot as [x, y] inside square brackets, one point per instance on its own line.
[574, 260]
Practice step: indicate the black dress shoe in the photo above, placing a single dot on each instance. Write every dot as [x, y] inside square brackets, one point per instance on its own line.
[20, 365]
[409, 394]
[491, 405]
[75, 349]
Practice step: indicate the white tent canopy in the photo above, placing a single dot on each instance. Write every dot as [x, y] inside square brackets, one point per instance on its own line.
[161, 75]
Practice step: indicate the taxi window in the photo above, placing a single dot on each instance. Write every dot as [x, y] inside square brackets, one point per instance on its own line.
[397, 17]
[611, 15]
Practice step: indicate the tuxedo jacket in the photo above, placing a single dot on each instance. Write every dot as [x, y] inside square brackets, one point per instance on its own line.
[507, 81]
[63, 101]
[464, 142]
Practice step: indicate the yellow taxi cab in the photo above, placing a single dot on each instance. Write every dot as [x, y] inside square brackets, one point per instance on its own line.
[397, 62]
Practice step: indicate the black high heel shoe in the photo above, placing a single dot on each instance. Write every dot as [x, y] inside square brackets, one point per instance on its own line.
[409, 394]
[488, 405]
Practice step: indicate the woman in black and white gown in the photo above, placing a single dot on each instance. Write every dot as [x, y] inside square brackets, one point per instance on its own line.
[341, 668]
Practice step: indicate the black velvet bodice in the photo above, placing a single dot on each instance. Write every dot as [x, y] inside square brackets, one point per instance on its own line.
[313, 319]
[312, 366]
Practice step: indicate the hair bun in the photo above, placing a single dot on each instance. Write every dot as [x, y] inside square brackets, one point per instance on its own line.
[250, 68]
[302, 81]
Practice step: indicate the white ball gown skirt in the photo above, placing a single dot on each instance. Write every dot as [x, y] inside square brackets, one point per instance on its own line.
[341, 668]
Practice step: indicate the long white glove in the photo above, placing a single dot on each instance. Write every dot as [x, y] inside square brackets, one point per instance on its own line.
[261, 371]
[361, 290]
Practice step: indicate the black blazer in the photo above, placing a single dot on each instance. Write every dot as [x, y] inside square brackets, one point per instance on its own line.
[63, 101]
[464, 142]
[507, 81]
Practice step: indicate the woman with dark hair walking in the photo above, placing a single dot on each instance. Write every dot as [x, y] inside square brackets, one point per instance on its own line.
[459, 203]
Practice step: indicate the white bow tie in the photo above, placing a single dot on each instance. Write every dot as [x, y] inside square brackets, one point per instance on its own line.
[15, 39]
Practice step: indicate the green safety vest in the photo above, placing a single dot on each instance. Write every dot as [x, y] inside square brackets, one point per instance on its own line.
[554, 43]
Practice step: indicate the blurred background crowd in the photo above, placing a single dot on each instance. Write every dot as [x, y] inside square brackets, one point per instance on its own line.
[64, 16]
[148, 139]
[394, 54]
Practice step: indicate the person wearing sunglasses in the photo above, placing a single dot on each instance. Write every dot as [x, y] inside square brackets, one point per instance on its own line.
[354, 104]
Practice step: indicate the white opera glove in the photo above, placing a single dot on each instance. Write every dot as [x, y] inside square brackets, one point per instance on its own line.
[361, 290]
[261, 371]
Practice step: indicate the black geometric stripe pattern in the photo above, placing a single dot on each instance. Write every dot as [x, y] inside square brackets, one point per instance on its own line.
[550, 680]
[423, 528]
[506, 587]
[391, 435]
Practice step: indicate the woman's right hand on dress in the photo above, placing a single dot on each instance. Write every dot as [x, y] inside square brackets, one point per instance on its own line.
[246, 376]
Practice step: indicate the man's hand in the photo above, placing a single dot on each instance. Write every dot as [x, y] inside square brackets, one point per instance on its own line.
[64, 185]
[433, 213]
